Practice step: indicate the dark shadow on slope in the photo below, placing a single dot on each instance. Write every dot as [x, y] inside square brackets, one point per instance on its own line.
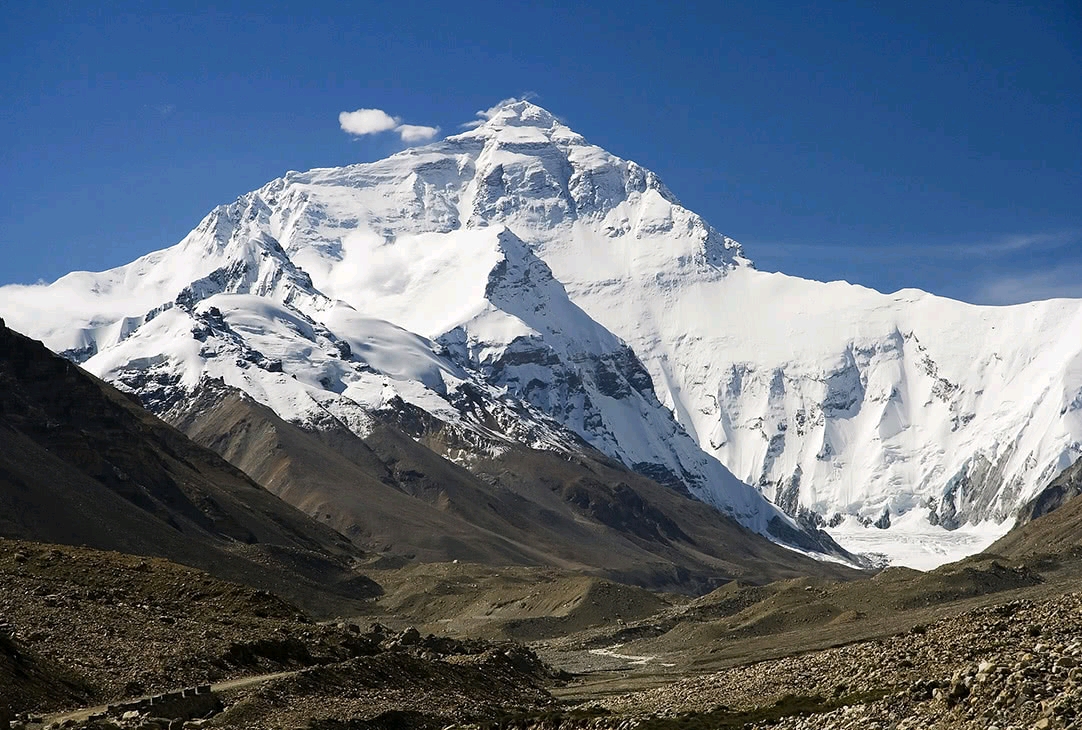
[81, 464]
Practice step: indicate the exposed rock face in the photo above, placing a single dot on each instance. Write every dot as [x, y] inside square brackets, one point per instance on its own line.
[1063, 488]
[1050, 523]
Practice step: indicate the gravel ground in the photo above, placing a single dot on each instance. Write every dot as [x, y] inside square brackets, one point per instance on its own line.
[1016, 665]
[132, 626]
[127, 626]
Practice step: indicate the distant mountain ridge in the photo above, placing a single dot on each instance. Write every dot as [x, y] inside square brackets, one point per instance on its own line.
[525, 287]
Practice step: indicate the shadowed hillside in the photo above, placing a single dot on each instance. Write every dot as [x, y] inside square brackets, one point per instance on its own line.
[82, 464]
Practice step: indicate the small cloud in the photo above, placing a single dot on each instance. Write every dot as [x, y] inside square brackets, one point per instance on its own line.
[161, 110]
[1063, 281]
[366, 121]
[993, 269]
[485, 114]
[992, 247]
[416, 132]
[361, 122]
[1015, 243]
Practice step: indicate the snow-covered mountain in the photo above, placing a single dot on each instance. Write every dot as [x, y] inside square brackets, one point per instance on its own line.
[523, 284]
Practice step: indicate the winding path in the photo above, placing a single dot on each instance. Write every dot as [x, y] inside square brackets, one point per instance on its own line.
[83, 714]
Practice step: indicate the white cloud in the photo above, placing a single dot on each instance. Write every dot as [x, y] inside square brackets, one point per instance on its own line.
[361, 122]
[1003, 269]
[416, 132]
[366, 121]
[993, 247]
[1052, 283]
[1016, 243]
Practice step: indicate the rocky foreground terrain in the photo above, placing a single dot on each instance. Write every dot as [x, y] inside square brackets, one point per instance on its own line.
[86, 634]
[1012, 665]
[82, 628]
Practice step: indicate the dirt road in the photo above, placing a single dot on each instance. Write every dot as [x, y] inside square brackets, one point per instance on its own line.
[83, 714]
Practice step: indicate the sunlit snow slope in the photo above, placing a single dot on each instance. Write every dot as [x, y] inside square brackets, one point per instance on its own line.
[572, 284]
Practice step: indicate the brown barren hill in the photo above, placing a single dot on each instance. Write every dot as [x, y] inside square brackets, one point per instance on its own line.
[83, 464]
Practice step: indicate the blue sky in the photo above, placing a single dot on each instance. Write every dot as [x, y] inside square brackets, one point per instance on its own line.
[935, 145]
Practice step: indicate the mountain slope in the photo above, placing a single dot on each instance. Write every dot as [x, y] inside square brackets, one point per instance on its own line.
[1050, 523]
[511, 360]
[1062, 490]
[569, 292]
[83, 464]
[395, 496]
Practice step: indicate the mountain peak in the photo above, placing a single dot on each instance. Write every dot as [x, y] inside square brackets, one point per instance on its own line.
[808, 391]
[519, 113]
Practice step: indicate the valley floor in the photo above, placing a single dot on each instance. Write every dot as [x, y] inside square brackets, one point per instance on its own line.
[980, 643]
